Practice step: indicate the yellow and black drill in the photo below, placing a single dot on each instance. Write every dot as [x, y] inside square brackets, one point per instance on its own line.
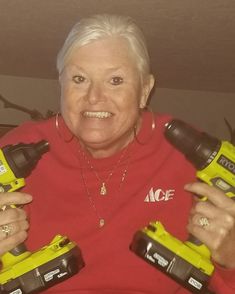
[22, 271]
[189, 262]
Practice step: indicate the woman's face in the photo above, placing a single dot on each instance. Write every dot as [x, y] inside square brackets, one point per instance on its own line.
[101, 93]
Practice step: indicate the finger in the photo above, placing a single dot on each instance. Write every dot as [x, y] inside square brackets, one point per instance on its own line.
[209, 235]
[12, 241]
[203, 234]
[219, 217]
[199, 223]
[14, 198]
[214, 195]
[195, 220]
[5, 231]
[211, 231]
[207, 209]
[12, 215]
[10, 229]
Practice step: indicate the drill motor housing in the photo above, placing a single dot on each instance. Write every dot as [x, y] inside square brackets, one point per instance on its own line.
[213, 159]
[189, 263]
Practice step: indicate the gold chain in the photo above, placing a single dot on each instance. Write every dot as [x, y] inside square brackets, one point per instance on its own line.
[89, 196]
[103, 183]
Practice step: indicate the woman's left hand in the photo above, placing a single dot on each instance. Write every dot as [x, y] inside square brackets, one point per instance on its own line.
[213, 222]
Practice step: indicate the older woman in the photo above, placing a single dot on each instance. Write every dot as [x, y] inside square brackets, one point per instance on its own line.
[110, 170]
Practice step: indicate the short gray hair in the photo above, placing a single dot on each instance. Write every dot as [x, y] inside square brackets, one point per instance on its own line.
[102, 26]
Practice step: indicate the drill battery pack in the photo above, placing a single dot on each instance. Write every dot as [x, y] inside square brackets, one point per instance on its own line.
[173, 257]
[42, 269]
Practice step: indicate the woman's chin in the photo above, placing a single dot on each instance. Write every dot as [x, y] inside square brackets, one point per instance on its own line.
[95, 142]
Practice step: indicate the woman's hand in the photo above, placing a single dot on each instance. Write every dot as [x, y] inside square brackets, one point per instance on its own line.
[213, 223]
[13, 221]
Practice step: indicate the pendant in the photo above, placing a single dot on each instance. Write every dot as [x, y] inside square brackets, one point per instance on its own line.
[101, 222]
[103, 190]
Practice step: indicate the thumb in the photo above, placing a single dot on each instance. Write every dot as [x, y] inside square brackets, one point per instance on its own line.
[213, 194]
[11, 198]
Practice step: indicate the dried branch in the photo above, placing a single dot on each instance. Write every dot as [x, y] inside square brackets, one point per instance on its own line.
[34, 114]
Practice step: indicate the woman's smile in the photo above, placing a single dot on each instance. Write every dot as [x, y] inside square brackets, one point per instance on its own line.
[97, 114]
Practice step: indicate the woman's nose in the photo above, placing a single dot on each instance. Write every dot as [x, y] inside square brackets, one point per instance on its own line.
[95, 93]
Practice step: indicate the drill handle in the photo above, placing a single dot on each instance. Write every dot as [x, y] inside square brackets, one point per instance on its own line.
[198, 246]
[19, 249]
[14, 256]
[13, 185]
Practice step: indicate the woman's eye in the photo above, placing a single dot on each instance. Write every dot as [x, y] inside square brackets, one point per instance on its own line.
[78, 79]
[116, 81]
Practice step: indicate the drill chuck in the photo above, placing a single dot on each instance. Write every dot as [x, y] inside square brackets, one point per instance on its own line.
[213, 159]
[22, 158]
[198, 147]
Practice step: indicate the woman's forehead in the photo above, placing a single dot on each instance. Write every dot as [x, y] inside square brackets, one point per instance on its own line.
[111, 53]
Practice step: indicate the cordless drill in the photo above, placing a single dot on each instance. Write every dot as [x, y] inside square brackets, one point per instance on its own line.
[189, 262]
[32, 272]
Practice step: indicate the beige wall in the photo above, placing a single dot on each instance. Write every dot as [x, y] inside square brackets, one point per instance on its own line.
[207, 110]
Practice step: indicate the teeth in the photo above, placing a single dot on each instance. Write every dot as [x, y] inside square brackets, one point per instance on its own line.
[97, 114]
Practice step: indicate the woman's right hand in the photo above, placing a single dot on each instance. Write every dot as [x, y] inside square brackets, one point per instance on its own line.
[13, 221]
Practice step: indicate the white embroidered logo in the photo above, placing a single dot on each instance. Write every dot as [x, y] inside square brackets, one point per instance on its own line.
[159, 195]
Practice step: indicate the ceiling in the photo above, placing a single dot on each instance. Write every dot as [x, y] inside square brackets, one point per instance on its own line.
[191, 42]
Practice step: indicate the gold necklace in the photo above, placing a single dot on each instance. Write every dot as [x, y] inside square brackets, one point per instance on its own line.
[103, 183]
[89, 196]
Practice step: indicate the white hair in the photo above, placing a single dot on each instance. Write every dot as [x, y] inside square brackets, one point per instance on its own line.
[103, 26]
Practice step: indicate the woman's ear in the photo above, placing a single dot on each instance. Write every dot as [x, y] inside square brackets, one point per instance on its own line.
[148, 85]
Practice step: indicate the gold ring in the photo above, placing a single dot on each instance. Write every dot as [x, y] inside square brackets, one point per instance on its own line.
[6, 229]
[204, 222]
